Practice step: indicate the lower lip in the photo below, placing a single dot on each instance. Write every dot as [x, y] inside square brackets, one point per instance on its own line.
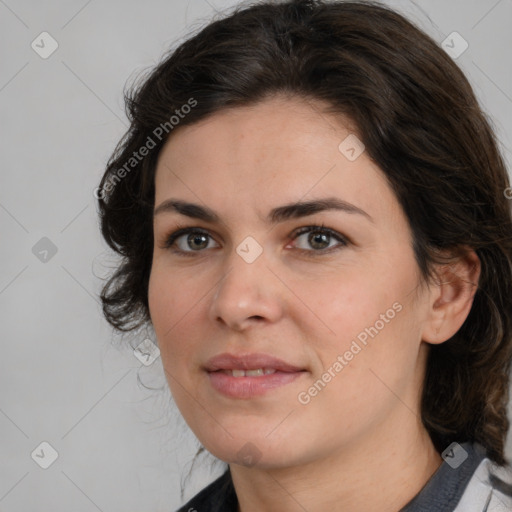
[248, 387]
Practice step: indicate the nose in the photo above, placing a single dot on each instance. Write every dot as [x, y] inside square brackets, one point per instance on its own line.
[248, 294]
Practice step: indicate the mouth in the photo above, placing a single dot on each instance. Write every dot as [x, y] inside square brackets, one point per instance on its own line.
[250, 375]
[258, 372]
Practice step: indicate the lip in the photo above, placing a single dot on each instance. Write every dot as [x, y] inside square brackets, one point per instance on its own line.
[249, 362]
[248, 387]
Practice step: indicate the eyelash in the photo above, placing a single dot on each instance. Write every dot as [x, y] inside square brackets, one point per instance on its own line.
[170, 239]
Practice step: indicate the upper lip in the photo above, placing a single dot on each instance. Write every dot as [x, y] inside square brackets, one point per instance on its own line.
[228, 361]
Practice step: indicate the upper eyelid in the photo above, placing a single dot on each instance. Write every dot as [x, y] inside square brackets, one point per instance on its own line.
[183, 230]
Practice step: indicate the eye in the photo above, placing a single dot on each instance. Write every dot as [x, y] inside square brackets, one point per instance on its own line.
[319, 238]
[187, 241]
[196, 240]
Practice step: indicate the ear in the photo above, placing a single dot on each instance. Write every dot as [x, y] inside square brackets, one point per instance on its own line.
[451, 296]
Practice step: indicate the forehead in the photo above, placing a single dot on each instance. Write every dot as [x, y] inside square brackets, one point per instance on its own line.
[276, 151]
[272, 128]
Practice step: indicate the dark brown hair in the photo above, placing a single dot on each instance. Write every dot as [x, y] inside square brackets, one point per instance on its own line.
[418, 117]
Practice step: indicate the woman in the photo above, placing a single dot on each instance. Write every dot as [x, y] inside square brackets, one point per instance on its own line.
[341, 334]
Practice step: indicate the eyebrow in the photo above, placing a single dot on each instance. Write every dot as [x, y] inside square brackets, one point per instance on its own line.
[276, 215]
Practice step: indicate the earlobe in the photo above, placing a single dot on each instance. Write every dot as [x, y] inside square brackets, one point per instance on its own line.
[452, 297]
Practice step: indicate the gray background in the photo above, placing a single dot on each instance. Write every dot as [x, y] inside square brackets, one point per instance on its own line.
[63, 378]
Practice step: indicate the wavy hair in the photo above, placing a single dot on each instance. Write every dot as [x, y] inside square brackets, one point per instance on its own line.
[421, 123]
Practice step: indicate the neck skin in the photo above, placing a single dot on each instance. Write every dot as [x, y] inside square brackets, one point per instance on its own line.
[381, 470]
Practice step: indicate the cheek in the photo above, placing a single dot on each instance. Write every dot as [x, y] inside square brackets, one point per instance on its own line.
[171, 308]
[159, 298]
[172, 311]
[348, 302]
[369, 315]
[170, 295]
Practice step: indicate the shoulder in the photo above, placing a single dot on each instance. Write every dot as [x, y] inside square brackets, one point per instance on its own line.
[219, 496]
[489, 490]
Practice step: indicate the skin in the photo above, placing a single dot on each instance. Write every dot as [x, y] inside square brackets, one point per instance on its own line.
[359, 443]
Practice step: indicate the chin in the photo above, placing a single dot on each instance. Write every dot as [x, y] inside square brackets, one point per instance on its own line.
[252, 449]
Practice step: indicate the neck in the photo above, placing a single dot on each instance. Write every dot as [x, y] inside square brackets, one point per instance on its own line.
[381, 472]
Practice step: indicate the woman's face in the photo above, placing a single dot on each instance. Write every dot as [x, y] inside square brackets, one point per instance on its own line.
[334, 318]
